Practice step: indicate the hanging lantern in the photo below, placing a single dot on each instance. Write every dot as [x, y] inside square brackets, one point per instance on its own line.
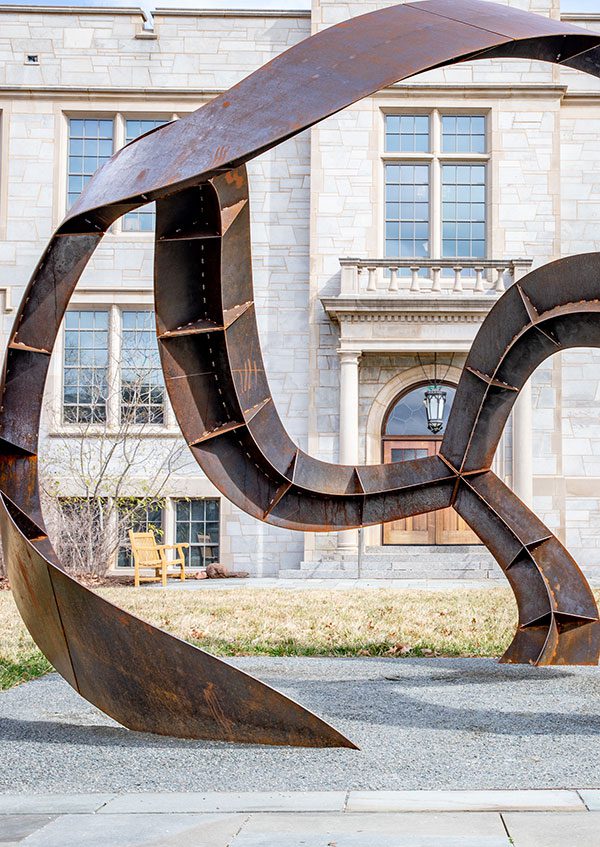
[435, 403]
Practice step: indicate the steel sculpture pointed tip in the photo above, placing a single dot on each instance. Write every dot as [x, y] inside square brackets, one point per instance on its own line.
[145, 678]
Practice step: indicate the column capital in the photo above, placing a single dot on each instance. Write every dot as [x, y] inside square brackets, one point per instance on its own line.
[350, 357]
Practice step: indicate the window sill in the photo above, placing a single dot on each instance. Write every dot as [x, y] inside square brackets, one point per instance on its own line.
[91, 431]
[116, 572]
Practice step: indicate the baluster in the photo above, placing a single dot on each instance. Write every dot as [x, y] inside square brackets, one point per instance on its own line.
[479, 286]
[415, 285]
[372, 283]
[458, 278]
[359, 274]
[484, 279]
[499, 287]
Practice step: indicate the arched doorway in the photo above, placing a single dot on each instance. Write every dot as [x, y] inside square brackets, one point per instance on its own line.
[406, 436]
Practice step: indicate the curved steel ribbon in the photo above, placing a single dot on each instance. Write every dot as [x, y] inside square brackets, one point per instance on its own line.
[143, 677]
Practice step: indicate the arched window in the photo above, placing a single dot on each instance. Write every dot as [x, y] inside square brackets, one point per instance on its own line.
[407, 415]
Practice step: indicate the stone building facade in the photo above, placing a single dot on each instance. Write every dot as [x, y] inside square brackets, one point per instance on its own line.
[381, 239]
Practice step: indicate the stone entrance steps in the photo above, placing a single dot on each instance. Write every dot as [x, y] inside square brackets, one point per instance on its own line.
[406, 562]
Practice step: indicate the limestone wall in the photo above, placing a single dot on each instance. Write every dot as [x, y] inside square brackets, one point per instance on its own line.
[92, 64]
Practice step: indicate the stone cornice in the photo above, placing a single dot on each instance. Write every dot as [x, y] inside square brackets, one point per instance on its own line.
[104, 93]
[377, 317]
[233, 13]
[475, 90]
[415, 309]
[577, 98]
[134, 11]
[592, 17]
[148, 94]
[25, 9]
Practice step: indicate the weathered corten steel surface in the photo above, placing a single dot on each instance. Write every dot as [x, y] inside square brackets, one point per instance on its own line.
[210, 350]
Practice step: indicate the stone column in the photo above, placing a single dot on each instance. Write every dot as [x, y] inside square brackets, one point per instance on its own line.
[522, 435]
[348, 540]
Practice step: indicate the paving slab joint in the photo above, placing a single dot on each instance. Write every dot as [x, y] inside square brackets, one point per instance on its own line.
[590, 797]
[346, 799]
[105, 803]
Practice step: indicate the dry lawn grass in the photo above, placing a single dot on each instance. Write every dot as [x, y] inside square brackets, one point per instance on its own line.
[370, 622]
[297, 623]
[330, 623]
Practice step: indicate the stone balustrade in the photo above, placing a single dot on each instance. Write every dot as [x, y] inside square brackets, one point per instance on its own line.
[436, 277]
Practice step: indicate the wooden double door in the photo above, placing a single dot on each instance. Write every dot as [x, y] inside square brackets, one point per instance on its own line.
[442, 527]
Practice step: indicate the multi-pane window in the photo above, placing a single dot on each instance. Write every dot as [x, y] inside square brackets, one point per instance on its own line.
[133, 368]
[407, 134]
[137, 516]
[407, 210]
[435, 186]
[85, 373]
[197, 523]
[142, 385]
[91, 142]
[90, 146]
[463, 134]
[463, 211]
[142, 220]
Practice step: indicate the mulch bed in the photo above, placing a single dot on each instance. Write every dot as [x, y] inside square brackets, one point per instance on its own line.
[89, 580]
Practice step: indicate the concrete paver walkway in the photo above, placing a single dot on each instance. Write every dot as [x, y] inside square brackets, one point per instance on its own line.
[304, 819]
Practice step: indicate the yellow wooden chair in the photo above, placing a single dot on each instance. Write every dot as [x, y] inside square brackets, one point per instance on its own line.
[149, 555]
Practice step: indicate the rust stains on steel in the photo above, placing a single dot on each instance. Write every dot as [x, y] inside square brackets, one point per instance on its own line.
[211, 357]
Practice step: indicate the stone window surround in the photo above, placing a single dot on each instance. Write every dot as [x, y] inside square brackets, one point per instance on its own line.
[195, 486]
[189, 537]
[114, 303]
[119, 115]
[435, 159]
[169, 529]
[140, 525]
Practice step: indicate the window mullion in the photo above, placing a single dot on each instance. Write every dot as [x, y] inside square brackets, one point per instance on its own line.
[119, 141]
[435, 250]
[114, 367]
[170, 419]
[169, 521]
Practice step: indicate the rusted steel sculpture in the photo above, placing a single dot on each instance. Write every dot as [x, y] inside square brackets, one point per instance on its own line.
[194, 169]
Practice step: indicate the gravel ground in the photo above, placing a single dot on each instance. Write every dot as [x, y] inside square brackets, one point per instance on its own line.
[420, 723]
